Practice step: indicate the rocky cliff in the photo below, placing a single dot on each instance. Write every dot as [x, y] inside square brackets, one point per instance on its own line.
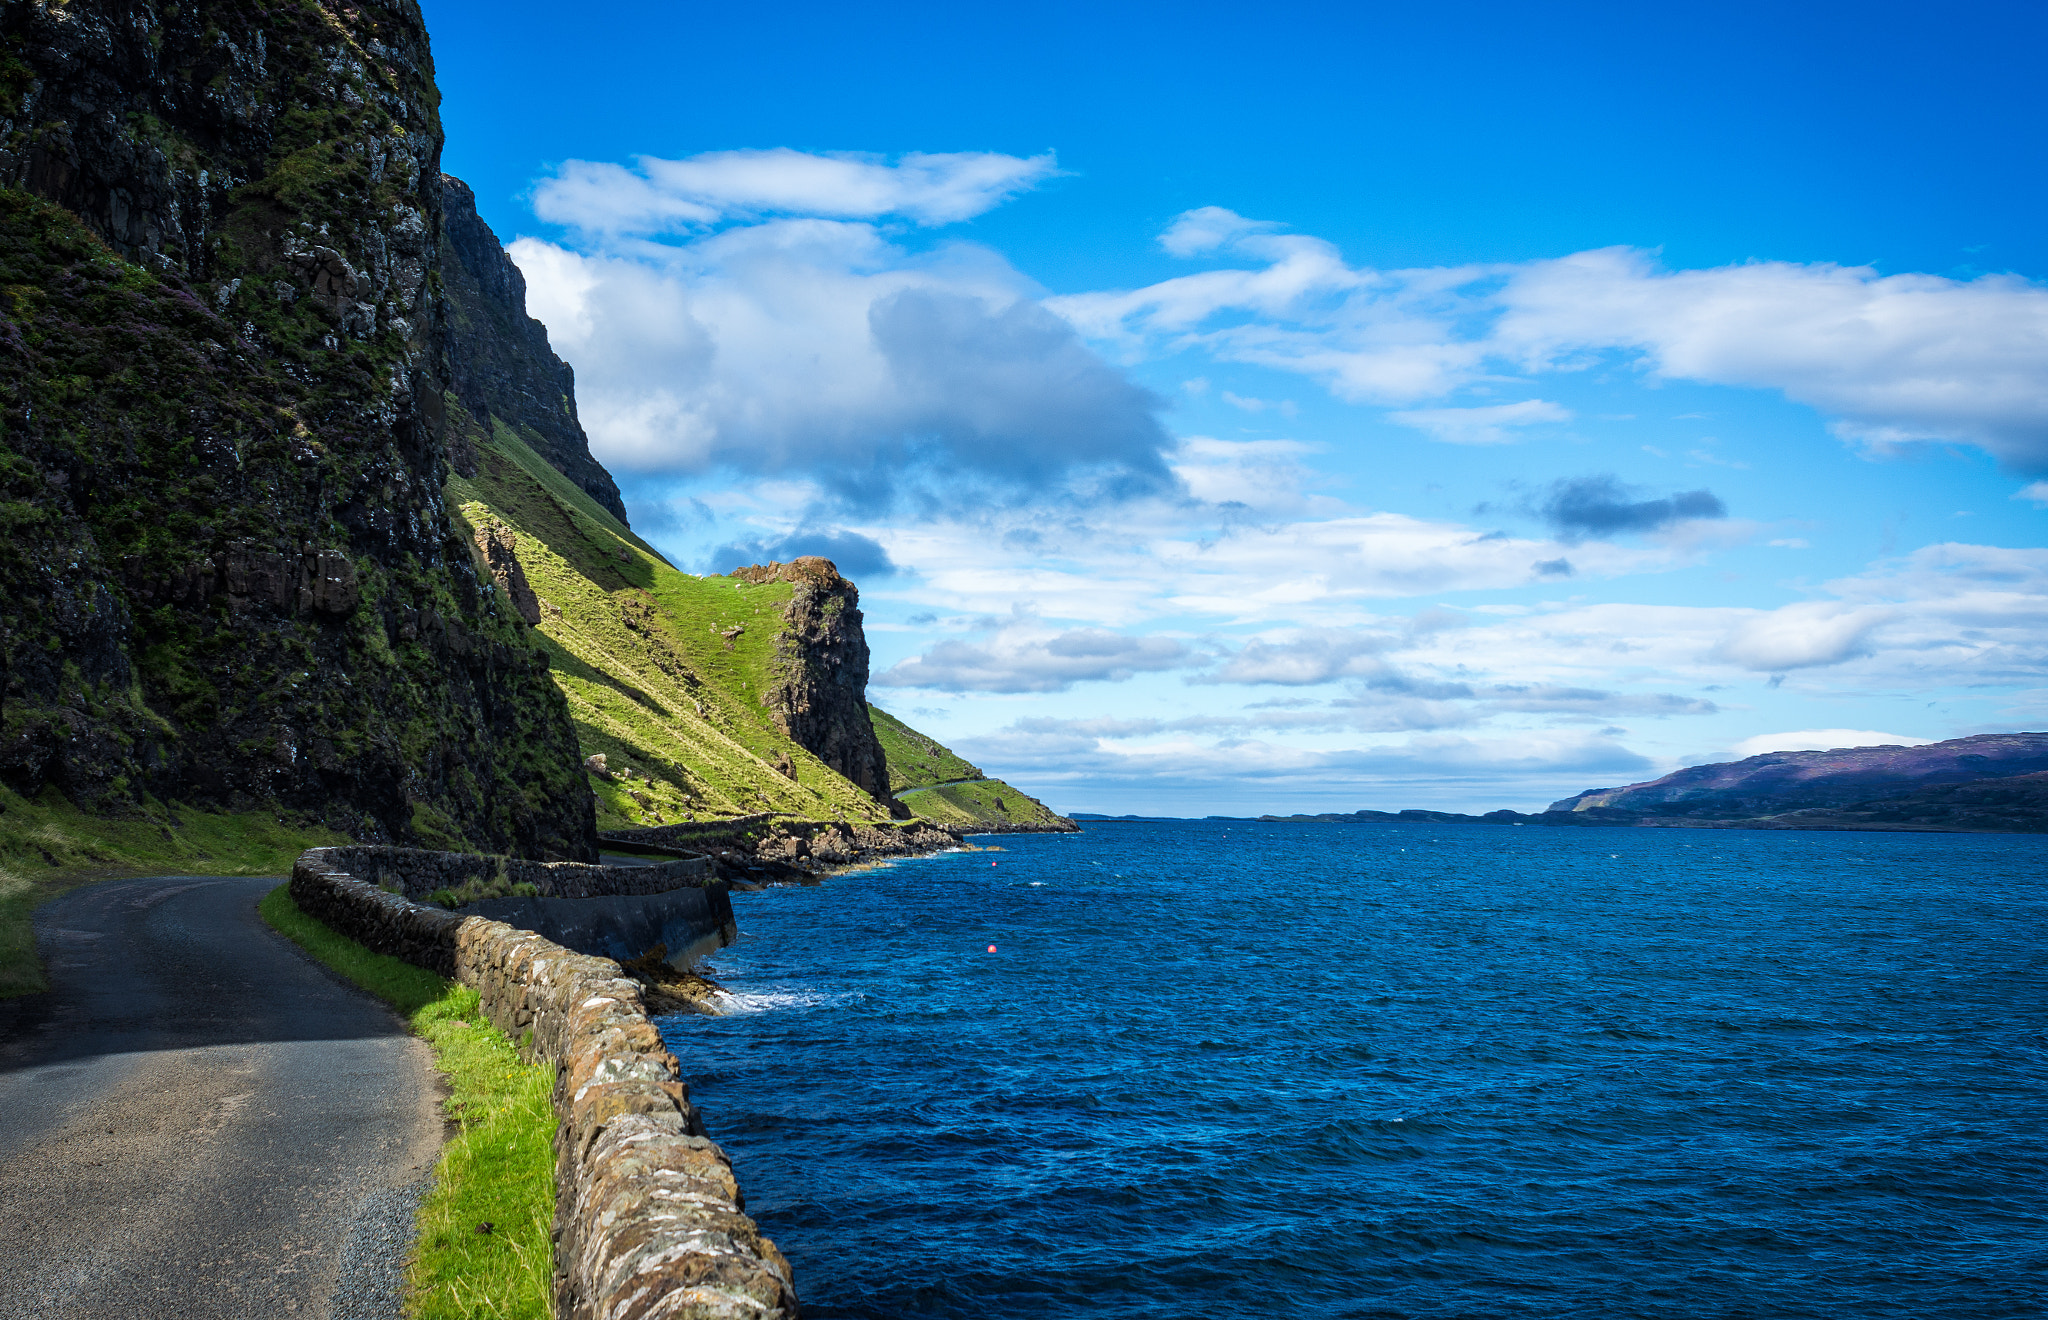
[819, 697]
[229, 574]
[499, 361]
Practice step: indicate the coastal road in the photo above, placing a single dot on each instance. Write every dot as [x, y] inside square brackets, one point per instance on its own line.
[199, 1121]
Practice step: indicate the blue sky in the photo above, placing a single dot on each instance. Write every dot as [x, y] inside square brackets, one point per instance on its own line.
[1319, 407]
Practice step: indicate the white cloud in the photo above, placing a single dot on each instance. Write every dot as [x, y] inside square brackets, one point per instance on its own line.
[1891, 358]
[665, 195]
[1282, 561]
[1820, 740]
[1107, 760]
[2035, 493]
[1494, 424]
[1268, 476]
[1802, 635]
[1888, 359]
[1207, 228]
[819, 348]
[1031, 660]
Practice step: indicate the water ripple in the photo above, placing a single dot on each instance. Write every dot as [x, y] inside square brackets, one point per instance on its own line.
[1398, 1071]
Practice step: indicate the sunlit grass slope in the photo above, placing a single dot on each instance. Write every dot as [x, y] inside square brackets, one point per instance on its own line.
[938, 785]
[641, 650]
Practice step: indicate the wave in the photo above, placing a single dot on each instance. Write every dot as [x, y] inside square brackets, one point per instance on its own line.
[741, 1003]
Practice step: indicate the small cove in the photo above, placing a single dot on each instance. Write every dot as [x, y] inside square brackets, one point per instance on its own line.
[1392, 1070]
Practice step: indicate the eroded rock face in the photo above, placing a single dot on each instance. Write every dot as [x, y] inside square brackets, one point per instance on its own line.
[230, 578]
[820, 695]
[500, 363]
[499, 546]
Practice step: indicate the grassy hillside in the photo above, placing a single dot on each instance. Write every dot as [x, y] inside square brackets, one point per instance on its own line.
[916, 761]
[938, 785]
[657, 680]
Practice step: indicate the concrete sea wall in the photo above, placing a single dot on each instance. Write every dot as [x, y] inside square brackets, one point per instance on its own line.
[649, 1221]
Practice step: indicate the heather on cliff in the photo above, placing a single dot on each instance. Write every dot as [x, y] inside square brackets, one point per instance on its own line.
[230, 575]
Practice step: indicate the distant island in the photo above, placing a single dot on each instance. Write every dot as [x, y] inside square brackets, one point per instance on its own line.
[1994, 783]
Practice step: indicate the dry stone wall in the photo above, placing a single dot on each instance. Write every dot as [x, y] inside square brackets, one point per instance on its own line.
[649, 1221]
[418, 872]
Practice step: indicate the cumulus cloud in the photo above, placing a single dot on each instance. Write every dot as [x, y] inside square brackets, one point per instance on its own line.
[1889, 359]
[1305, 658]
[1602, 506]
[1492, 425]
[1821, 740]
[1559, 699]
[1801, 636]
[662, 196]
[820, 349]
[1036, 663]
[1108, 761]
[2035, 493]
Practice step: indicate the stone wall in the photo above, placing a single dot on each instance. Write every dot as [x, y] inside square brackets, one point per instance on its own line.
[649, 1221]
[809, 846]
[418, 872]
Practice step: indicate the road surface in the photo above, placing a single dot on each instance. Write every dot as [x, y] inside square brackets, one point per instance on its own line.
[198, 1120]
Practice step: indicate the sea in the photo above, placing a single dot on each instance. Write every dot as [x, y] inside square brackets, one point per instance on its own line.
[1171, 1069]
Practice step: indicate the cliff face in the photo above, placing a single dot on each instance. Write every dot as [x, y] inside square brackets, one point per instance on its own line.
[819, 697]
[499, 361]
[228, 572]
[1784, 781]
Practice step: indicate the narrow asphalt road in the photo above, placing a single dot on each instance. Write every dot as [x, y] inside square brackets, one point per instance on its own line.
[198, 1120]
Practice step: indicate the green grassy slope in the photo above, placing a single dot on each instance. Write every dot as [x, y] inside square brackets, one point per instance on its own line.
[640, 651]
[916, 761]
[940, 786]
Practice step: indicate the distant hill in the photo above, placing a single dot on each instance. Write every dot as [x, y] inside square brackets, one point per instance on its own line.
[1784, 781]
[938, 785]
[1991, 783]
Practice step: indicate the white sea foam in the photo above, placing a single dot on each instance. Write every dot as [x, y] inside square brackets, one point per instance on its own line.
[745, 1002]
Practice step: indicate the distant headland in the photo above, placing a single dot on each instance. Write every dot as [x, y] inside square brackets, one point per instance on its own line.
[1994, 783]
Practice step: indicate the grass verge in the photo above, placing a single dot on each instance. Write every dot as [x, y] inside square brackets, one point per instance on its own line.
[499, 1170]
[49, 846]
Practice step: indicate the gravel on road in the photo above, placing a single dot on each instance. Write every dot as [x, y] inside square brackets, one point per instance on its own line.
[198, 1121]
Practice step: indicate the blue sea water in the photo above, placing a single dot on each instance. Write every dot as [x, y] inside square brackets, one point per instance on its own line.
[1295, 1070]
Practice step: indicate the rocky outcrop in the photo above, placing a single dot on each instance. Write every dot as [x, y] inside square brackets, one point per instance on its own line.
[1787, 781]
[649, 1220]
[820, 694]
[499, 545]
[500, 363]
[768, 848]
[230, 578]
